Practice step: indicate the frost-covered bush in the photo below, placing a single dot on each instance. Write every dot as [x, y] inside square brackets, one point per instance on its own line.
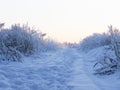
[51, 45]
[19, 40]
[70, 45]
[110, 62]
[94, 41]
[106, 61]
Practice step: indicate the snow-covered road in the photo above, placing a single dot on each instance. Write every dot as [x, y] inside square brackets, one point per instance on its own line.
[60, 70]
[80, 80]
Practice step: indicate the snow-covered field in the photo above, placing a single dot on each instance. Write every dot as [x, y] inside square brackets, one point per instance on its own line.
[65, 69]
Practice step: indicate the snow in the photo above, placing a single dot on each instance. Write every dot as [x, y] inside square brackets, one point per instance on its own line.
[64, 69]
[80, 80]
[50, 71]
[105, 82]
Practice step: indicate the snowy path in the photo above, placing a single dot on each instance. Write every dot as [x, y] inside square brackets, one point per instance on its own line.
[80, 80]
[61, 70]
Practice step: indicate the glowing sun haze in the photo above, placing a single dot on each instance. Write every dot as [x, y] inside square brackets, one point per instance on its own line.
[63, 20]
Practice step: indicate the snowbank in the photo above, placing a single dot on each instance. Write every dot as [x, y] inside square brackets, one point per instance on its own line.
[105, 82]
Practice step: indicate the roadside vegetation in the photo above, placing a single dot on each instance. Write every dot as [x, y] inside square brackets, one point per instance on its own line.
[21, 40]
[109, 61]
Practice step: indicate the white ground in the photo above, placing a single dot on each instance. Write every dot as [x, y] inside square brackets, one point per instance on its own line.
[80, 79]
[59, 70]
[104, 82]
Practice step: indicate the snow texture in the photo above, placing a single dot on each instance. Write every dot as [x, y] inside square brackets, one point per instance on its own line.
[105, 82]
[65, 69]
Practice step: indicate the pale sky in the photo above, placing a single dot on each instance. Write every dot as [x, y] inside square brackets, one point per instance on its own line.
[63, 20]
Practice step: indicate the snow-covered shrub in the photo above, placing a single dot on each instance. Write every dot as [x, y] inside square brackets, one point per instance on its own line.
[106, 61]
[94, 41]
[51, 45]
[70, 45]
[18, 41]
[1, 25]
[111, 56]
